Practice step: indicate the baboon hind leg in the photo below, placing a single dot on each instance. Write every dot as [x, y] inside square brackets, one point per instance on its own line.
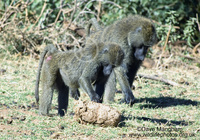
[46, 99]
[63, 95]
[47, 92]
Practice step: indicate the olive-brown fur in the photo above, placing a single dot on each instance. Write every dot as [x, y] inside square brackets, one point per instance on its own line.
[135, 34]
[73, 69]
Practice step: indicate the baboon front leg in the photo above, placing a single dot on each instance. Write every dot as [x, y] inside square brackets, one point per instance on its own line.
[125, 86]
[86, 85]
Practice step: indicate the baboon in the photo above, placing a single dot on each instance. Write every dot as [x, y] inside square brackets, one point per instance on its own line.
[135, 34]
[93, 22]
[67, 71]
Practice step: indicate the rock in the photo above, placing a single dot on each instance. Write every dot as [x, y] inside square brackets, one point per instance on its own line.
[55, 135]
[9, 121]
[2, 71]
[61, 127]
[22, 118]
[148, 63]
[181, 81]
[96, 113]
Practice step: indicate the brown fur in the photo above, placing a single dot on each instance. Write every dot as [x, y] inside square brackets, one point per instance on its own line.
[73, 69]
[135, 34]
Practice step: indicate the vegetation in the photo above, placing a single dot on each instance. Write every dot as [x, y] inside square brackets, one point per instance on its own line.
[161, 110]
[26, 24]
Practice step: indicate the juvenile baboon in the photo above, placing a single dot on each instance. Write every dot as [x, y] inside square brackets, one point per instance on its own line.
[73, 69]
[135, 34]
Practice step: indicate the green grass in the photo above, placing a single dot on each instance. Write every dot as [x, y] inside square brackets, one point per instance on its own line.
[160, 112]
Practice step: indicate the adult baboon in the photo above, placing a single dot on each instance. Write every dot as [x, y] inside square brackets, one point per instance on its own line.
[73, 69]
[135, 34]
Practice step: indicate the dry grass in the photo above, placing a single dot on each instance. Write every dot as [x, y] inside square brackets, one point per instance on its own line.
[161, 111]
[157, 106]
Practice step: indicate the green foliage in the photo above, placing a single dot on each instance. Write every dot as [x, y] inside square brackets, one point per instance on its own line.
[180, 14]
[170, 21]
[172, 12]
[189, 30]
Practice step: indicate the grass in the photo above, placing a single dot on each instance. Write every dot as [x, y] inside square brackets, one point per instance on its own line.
[160, 112]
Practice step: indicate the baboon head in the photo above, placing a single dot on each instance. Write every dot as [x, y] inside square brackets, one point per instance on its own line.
[141, 38]
[113, 54]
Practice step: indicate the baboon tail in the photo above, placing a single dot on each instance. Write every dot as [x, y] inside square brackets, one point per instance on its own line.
[49, 48]
[93, 22]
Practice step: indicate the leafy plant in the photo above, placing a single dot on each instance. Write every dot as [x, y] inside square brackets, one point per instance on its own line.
[20, 19]
[189, 31]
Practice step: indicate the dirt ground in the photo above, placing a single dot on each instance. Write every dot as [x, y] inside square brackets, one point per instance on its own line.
[157, 103]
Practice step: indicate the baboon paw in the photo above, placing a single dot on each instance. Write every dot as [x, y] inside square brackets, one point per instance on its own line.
[61, 113]
[43, 114]
[132, 102]
[128, 100]
[96, 99]
[76, 97]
